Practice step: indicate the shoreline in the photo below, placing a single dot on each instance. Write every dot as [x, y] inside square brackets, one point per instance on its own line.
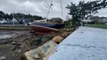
[23, 41]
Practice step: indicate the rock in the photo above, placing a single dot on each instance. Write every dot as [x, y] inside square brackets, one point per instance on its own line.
[57, 39]
[37, 41]
[47, 38]
[68, 30]
[15, 47]
[52, 52]
[65, 34]
[13, 43]
[2, 57]
[40, 52]
[32, 56]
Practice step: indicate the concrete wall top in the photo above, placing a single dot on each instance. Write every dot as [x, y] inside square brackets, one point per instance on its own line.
[85, 43]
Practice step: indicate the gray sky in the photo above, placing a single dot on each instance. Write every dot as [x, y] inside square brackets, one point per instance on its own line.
[40, 7]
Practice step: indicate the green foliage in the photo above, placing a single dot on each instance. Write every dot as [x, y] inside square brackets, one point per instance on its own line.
[104, 26]
[68, 24]
[83, 9]
[18, 16]
[14, 28]
[1, 14]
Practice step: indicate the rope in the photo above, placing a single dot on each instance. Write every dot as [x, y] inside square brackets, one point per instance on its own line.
[48, 5]
[49, 9]
[61, 8]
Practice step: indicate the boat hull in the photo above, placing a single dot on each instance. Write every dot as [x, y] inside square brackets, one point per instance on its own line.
[51, 25]
[42, 29]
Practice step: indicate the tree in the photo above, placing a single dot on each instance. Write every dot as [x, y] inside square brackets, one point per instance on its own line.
[19, 16]
[10, 16]
[35, 17]
[6, 16]
[83, 9]
[1, 15]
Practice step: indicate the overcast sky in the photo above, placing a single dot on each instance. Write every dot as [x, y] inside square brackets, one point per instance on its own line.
[40, 7]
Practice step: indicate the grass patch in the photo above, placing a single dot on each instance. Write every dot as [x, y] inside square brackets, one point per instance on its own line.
[97, 25]
[14, 28]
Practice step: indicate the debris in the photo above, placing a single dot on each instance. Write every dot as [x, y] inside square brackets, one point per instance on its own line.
[52, 52]
[16, 46]
[57, 39]
[13, 43]
[65, 34]
[2, 57]
[40, 52]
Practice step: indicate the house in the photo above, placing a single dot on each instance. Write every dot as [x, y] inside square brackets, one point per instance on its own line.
[96, 19]
[3, 21]
[8, 21]
[14, 21]
[24, 20]
[103, 19]
[86, 20]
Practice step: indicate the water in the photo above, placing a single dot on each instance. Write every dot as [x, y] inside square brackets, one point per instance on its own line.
[4, 35]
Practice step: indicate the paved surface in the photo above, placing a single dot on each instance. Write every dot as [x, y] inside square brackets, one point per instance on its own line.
[85, 43]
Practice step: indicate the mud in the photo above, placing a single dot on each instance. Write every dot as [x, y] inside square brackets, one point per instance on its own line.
[13, 48]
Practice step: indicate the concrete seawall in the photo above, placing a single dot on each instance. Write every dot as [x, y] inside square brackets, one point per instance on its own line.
[85, 43]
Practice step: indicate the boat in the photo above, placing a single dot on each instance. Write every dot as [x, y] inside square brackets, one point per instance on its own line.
[42, 29]
[46, 24]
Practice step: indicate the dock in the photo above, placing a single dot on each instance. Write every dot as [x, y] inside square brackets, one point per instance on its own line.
[85, 43]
